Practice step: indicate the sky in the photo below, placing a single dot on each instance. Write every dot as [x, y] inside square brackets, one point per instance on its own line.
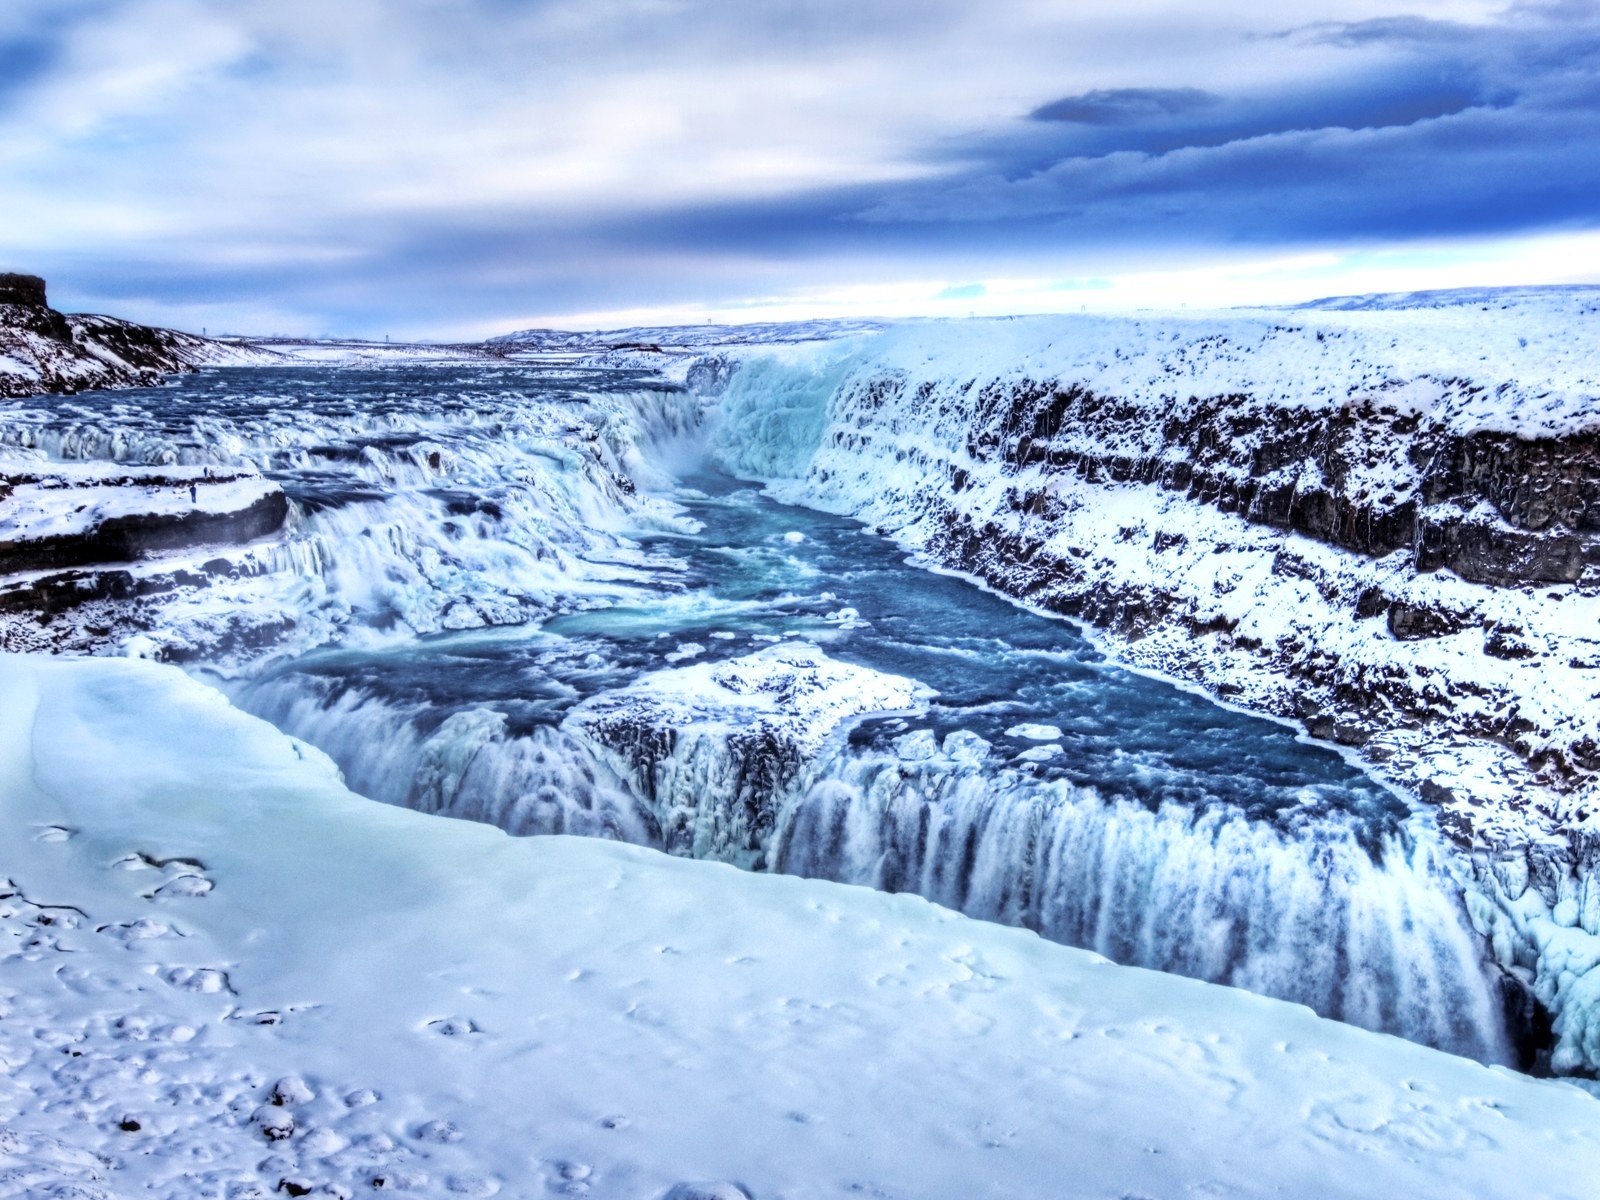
[460, 168]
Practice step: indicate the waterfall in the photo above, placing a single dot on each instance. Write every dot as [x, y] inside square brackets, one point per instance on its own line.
[1311, 910]
[1377, 940]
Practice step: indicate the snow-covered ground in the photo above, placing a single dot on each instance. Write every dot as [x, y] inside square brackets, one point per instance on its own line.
[44, 501]
[226, 976]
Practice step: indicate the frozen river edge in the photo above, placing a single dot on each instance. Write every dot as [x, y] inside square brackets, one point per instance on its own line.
[202, 920]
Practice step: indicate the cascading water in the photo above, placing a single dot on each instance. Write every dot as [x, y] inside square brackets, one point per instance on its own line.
[422, 498]
[1312, 916]
[441, 515]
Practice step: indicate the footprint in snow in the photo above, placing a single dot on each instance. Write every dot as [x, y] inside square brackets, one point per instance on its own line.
[440, 1133]
[718, 1190]
[205, 981]
[182, 877]
[453, 1027]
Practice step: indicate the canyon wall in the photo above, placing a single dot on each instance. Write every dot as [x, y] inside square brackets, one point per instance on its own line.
[1384, 526]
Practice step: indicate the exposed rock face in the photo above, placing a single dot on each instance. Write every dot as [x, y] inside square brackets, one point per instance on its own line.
[26, 290]
[1385, 529]
[1367, 477]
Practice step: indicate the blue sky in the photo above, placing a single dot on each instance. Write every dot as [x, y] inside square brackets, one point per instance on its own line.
[464, 167]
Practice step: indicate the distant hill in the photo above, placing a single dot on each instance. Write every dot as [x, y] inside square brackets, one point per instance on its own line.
[42, 350]
[684, 337]
[1502, 297]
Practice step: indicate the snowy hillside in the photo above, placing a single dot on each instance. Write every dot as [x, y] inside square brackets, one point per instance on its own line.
[686, 337]
[225, 976]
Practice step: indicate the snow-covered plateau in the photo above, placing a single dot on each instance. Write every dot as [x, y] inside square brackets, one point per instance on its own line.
[652, 587]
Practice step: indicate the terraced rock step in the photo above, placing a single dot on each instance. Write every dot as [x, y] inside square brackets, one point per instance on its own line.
[73, 515]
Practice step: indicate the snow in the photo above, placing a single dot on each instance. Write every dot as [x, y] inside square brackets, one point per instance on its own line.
[689, 337]
[688, 739]
[1035, 732]
[389, 996]
[72, 499]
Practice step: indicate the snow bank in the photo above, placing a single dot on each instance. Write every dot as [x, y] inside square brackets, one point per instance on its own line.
[225, 975]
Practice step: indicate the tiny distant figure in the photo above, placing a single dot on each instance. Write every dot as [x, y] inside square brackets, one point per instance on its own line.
[194, 494]
[208, 472]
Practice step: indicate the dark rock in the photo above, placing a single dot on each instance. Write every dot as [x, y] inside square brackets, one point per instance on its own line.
[1371, 603]
[26, 290]
[1507, 642]
[1409, 622]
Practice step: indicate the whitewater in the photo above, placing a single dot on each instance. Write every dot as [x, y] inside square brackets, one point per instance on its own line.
[1015, 776]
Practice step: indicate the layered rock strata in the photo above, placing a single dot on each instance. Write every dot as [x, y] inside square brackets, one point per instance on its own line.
[88, 552]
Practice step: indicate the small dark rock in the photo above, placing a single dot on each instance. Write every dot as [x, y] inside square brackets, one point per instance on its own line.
[1507, 642]
[1410, 623]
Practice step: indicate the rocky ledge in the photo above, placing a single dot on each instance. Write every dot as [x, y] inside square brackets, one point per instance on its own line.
[711, 748]
[86, 550]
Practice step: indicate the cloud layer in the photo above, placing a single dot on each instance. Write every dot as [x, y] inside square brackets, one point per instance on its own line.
[453, 166]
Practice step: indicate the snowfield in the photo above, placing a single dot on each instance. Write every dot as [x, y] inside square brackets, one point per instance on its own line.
[226, 976]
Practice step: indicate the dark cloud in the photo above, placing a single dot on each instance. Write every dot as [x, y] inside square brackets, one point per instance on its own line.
[1123, 106]
[1438, 129]
[23, 60]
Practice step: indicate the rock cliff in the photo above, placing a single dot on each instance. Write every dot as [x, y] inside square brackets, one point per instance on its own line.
[42, 350]
[1384, 526]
